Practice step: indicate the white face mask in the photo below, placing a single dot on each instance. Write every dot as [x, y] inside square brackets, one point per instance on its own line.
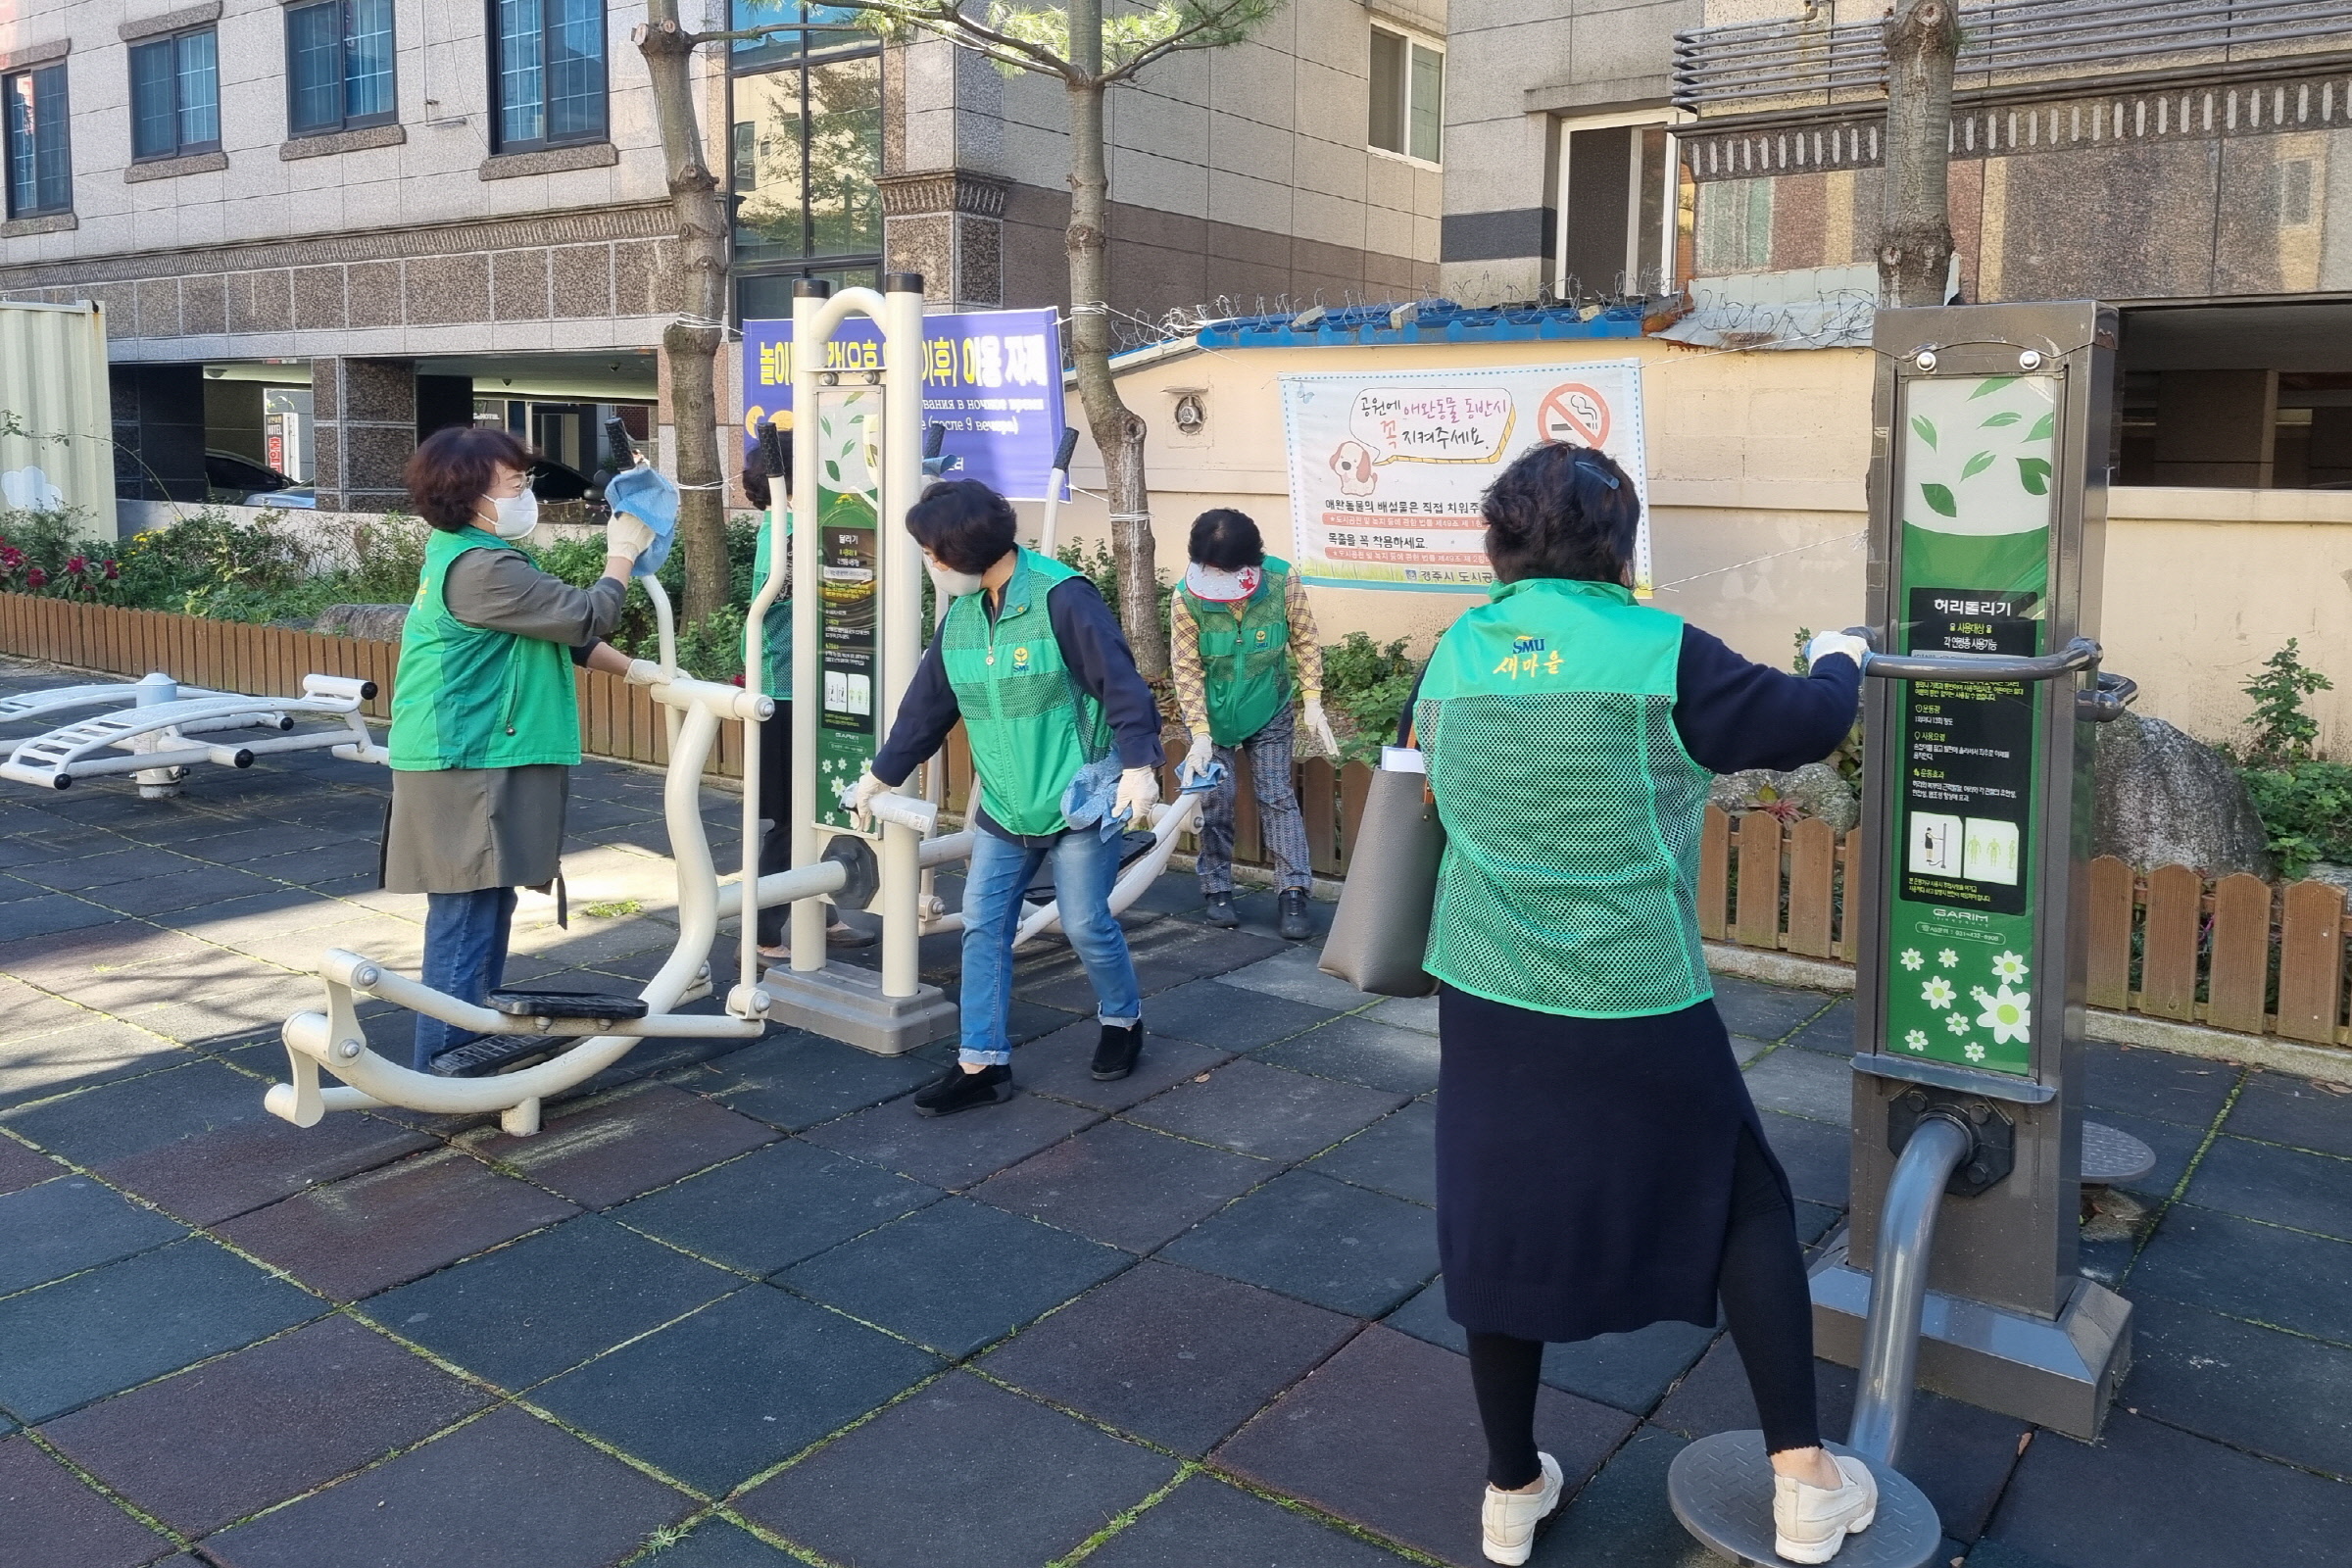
[953, 585]
[515, 516]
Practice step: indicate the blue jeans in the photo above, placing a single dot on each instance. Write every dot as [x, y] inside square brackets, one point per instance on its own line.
[464, 956]
[1084, 865]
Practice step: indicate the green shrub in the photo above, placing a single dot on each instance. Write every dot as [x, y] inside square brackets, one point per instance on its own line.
[2282, 731]
[1368, 684]
[2306, 810]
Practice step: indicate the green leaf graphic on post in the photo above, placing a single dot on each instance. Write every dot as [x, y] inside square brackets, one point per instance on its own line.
[2035, 474]
[1992, 384]
[2043, 428]
[1941, 498]
[1977, 464]
[2005, 416]
[1925, 430]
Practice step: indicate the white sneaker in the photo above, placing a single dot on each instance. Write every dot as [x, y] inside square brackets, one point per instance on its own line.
[1509, 1518]
[1810, 1523]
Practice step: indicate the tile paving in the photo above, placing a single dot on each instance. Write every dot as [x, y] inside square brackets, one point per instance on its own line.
[742, 1307]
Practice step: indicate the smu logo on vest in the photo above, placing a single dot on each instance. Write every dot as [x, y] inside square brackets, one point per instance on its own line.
[1021, 661]
[1527, 645]
[1261, 636]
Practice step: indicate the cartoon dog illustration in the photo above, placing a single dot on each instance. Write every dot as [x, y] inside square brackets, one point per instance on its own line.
[1353, 462]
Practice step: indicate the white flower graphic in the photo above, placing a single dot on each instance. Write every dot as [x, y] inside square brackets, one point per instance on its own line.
[2007, 1013]
[1911, 958]
[1937, 993]
[2009, 966]
[1973, 1050]
[1917, 1040]
[1957, 1023]
[1948, 958]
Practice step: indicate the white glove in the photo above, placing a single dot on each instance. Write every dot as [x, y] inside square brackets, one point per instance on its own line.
[1320, 727]
[625, 536]
[643, 673]
[1138, 792]
[1826, 642]
[856, 798]
[1195, 760]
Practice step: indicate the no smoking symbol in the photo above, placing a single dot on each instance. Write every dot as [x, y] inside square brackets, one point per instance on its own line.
[1573, 412]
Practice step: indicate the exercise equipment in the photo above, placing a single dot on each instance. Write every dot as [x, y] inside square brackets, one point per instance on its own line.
[1958, 1268]
[856, 639]
[158, 732]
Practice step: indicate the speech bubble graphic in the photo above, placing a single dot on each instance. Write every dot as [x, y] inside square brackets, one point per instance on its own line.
[1433, 425]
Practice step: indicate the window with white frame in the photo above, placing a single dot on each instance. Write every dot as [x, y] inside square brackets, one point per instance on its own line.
[1408, 96]
[1617, 208]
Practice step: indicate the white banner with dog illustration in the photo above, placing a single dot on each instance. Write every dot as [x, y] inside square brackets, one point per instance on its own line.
[1386, 469]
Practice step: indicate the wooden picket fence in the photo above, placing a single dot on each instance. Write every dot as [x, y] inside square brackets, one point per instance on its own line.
[2237, 954]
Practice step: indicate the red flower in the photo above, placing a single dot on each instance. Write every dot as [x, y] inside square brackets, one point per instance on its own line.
[35, 576]
[78, 564]
[113, 571]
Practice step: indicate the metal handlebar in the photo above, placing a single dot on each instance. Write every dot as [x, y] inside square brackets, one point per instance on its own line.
[2080, 653]
[2105, 702]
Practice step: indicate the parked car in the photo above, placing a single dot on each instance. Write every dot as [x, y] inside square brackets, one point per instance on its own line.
[231, 477]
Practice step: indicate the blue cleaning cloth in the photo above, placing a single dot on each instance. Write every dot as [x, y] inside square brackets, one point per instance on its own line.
[1211, 774]
[1092, 796]
[650, 496]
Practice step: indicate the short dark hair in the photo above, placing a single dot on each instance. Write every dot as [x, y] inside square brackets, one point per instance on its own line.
[964, 524]
[756, 475]
[453, 467]
[1561, 511]
[1227, 540]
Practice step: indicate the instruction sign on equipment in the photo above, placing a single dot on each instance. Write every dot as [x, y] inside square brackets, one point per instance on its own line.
[1386, 471]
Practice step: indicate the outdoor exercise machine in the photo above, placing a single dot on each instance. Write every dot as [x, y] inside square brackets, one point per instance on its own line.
[857, 637]
[1992, 440]
[158, 732]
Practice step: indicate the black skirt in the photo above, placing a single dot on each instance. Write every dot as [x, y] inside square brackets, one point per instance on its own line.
[1583, 1167]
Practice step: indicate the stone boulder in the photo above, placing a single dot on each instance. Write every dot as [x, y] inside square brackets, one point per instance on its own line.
[1814, 790]
[380, 623]
[2164, 799]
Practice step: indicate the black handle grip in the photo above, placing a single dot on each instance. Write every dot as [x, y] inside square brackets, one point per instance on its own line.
[771, 449]
[618, 453]
[1068, 450]
[934, 439]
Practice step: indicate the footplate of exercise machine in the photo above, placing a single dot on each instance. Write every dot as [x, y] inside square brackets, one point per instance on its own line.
[494, 1053]
[1721, 1490]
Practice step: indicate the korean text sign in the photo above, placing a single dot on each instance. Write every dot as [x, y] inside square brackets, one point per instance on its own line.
[1386, 469]
[992, 377]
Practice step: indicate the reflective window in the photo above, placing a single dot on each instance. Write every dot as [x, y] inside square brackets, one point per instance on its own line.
[175, 96]
[33, 125]
[1408, 96]
[339, 65]
[804, 156]
[550, 73]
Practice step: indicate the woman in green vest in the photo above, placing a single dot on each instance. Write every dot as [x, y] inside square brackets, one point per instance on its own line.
[485, 723]
[775, 734]
[1066, 744]
[1234, 626]
[1601, 1166]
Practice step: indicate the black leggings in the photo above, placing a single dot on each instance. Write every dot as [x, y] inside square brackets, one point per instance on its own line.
[775, 804]
[1765, 1301]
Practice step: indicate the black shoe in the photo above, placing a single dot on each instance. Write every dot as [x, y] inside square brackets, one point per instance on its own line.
[1221, 912]
[957, 1089]
[1116, 1051]
[1294, 925]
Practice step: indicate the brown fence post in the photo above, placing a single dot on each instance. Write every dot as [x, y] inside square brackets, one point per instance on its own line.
[1318, 804]
[1714, 873]
[2108, 977]
[2311, 962]
[2168, 985]
[2239, 983]
[1757, 921]
[1812, 870]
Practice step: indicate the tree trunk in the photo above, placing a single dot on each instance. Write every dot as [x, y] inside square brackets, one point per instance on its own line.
[1116, 428]
[1915, 234]
[690, 345]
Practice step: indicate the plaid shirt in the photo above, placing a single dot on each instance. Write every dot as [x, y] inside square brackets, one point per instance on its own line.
[1183, 653]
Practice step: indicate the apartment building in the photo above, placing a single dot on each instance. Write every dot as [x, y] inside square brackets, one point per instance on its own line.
[319, 228]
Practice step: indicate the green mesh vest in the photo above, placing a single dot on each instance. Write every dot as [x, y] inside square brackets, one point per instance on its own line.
[1570, 883]
[775, 647]
[463, 697]
[1031, 726]
[1246, 659]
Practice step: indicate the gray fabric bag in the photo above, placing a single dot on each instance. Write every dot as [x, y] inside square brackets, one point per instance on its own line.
[1381, 930]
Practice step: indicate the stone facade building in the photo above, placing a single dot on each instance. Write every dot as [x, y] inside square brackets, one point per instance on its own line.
[320, 227]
